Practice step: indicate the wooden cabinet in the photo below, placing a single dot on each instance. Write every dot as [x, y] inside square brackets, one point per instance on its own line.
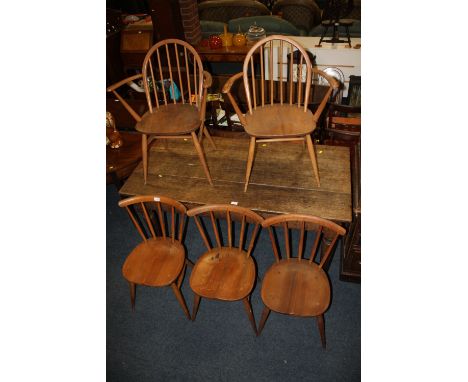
[351, 255]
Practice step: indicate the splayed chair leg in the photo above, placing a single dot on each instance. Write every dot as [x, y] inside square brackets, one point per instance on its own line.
[248, 308]
[196, 303]
[132, 294]
[181, 299]
[201, 155]
[208, 135]
[265, 314]
[321, 326]
[249, 162]
[313, 158]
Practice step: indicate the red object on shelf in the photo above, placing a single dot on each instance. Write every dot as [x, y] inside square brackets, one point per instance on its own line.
[215, 42]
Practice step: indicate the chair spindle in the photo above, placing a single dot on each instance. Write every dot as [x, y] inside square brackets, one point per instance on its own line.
[280, 56]
[252, 71]
[161, 75]
[189, 85]
[241, 234]
[273, 243]
[214, 223]
[161, 220]
[202, 232]
[229, 228]
[181, 83]
[301, 241]
[286, 240]
[328, 251]
[170, 73]
[313, 251]
[270, 67]
[148, 220]
[155, 90]
[252, 239]
[173, 223]
[291, 75]
[136, 224]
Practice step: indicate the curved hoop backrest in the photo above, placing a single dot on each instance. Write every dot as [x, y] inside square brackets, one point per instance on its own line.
[152, 211]
[174, 74]
[304, 223]
[278, 70]
[271, 71]
[231, 214]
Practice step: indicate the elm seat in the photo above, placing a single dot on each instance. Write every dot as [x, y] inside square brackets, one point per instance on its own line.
[279, 121]
[156, 262]
[297, 288]
[175, 118]
[223, 274]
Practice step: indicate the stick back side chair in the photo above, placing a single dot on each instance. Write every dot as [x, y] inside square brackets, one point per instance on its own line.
[226, 271]
[277, 76]
[176, 90]
[295, 285]
[160, 259]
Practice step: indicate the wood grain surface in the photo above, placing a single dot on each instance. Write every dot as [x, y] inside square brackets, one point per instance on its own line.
[281, 180]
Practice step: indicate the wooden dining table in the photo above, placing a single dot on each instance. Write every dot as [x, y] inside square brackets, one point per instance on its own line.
[281, 181]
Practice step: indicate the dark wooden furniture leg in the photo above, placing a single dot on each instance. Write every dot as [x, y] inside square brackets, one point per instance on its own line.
[248, 308]
[132, 295]
[265, 314]
[196, 303]
[321, 326]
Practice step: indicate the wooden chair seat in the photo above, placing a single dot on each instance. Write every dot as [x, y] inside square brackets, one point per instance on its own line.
[170, 119]
[223, 274]
[271, 121]
[296, 287]
[156, 262]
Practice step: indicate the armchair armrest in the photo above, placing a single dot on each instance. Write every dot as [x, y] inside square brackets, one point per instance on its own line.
[207, 79]
[227, 90]
[113, 89]
[334, 84]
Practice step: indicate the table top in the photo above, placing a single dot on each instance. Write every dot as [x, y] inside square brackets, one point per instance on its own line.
[281, 182]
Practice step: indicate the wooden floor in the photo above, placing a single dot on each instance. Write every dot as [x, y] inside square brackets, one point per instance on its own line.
[281, 181]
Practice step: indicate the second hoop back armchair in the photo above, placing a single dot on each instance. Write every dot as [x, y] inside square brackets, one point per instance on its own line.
[278, 75]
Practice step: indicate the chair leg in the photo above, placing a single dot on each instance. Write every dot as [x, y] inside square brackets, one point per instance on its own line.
[208, 135]
[181, 299]
[313, 159]
[201, 155]
[132, 294]
[249, 162]
[181, 276]
[196, 303]
[265, 314]
[248, 308]
[144, 151]
[321, 326]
